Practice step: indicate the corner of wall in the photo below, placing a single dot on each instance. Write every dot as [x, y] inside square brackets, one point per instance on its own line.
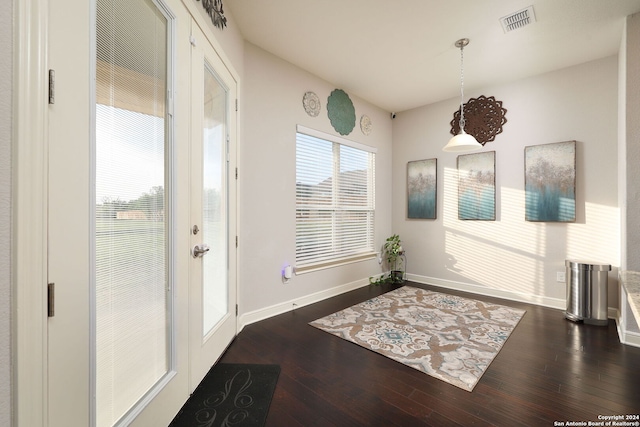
[6, 117]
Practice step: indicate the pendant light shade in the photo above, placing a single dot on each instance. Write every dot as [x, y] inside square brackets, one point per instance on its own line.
[462, 141]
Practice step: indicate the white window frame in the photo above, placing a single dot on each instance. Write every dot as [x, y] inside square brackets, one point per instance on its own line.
[366, 241]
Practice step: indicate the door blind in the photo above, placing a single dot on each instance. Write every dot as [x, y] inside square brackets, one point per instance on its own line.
[131, 232]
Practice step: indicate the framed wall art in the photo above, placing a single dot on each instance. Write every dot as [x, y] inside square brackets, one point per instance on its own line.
[422, 189]
[550, 182]
[477, 186]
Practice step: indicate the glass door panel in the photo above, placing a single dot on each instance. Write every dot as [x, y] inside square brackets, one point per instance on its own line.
[214, 214]
[132, 317]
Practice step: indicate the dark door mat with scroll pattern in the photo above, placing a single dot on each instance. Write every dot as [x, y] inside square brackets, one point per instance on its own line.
[230, 394]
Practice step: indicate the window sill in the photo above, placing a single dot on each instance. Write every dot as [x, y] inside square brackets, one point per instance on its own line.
[335, 263]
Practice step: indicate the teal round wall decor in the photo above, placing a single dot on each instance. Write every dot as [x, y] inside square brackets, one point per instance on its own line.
[341, 112]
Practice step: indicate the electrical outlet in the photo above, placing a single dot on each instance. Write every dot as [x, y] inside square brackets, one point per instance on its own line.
[560, 276]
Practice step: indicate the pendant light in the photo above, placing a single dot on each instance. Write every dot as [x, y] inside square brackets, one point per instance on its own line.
[462, 141]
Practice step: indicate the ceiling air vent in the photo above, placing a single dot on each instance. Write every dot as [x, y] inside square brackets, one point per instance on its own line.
[518, 19]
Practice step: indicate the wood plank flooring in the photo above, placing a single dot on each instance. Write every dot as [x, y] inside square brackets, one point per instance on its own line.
[549, 370]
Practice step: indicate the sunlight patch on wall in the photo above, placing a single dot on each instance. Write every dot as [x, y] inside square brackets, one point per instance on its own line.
[516, 255]
[492, 265]
[504, 254]
[510, 228]
[598, 238]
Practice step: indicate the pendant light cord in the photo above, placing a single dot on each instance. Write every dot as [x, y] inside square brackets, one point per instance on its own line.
[462, 122]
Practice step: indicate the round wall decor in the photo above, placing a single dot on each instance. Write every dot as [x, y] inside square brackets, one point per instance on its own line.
[311, 104]
[341, 112]
[365, 124]
[484, 118]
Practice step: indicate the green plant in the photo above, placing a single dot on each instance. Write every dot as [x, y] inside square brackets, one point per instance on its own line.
[392, 252]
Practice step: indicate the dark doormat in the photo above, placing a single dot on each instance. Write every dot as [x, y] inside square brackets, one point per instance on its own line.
[230, 394]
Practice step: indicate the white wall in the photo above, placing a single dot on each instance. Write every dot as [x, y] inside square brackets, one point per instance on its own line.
[270, 110]
[6, 39]
[511, 257]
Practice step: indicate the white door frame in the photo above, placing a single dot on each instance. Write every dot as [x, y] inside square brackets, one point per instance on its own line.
[29, 206]
[30, 148]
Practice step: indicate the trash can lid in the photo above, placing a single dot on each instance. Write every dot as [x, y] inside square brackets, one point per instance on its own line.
[587, 265]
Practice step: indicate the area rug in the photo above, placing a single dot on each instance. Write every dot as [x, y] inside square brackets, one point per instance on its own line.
[448, 337]
[230, 394]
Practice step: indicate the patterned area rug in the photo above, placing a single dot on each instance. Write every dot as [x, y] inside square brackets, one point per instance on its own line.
[448, 337]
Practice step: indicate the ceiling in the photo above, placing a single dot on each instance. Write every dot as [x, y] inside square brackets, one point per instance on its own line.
[401, 54]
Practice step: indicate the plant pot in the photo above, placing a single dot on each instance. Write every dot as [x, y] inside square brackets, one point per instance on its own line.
[397, 276]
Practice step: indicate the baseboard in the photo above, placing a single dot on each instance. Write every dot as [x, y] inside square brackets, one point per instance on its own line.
[490, 292]
[626, 337]
[274, 310]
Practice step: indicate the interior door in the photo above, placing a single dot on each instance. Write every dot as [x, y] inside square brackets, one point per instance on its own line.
[212, 322]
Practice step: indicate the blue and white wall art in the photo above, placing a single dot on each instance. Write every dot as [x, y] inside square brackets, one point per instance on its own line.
[477, 186]
[550, 182]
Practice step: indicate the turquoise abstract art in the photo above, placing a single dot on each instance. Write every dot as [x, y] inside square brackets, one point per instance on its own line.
[550, 182]
[477, 186]
[421, 189]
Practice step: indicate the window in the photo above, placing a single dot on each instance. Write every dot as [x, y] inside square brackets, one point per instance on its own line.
[335, 200]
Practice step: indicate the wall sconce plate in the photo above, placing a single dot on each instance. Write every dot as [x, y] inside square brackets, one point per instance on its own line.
[484, 118]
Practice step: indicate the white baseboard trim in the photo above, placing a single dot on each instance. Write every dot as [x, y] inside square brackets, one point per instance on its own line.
[626, 337]
[274, 310]
[631, 338]
[490, 292]
[614, 313]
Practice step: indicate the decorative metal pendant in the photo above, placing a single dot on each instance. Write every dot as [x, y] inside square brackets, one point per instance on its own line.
[484, 118]
[214, 10]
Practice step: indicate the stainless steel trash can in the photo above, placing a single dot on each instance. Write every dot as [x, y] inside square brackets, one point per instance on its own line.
[587, 292]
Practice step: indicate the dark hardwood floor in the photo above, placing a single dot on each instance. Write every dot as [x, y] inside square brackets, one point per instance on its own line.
[549, 370]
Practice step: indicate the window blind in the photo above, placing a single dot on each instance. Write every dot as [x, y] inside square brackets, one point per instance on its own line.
[335, 200]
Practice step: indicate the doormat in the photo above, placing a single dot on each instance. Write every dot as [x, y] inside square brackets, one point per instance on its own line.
[448, 337]
[230, 394]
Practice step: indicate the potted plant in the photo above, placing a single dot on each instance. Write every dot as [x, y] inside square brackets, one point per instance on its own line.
[392, 252]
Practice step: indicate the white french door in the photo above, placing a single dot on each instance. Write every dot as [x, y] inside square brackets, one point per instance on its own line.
[212, 323]
[137, 156]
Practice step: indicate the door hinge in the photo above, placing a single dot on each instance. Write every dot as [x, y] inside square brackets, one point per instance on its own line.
[236, 173]
[236, 104]
[51, 299]
[52, 86]
[236, 241]
[236, 309]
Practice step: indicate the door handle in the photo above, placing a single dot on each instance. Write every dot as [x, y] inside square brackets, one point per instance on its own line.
[200, 250]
